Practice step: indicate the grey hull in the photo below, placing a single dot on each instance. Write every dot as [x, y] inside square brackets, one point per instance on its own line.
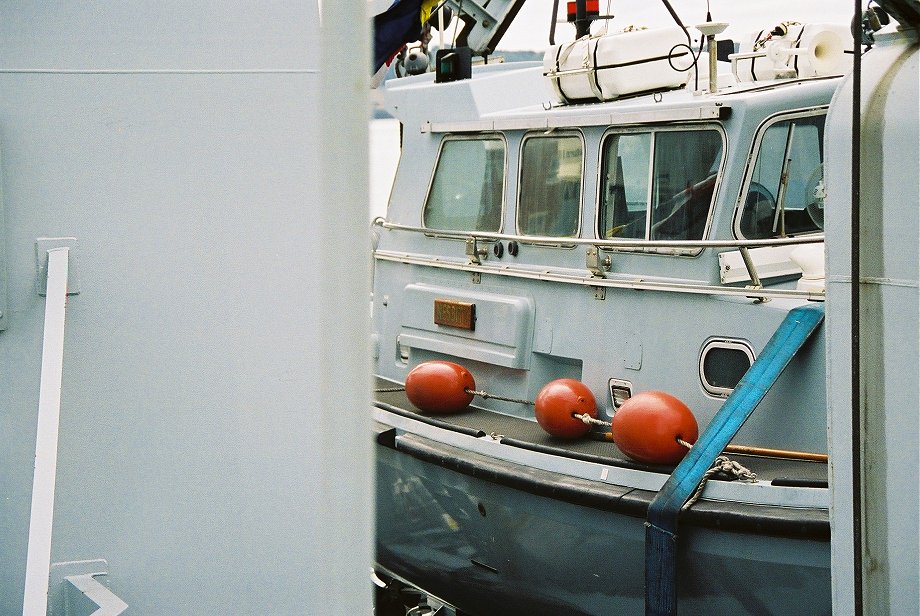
[487, 547]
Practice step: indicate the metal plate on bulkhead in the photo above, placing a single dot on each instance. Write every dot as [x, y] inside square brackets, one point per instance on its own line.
[453, 313]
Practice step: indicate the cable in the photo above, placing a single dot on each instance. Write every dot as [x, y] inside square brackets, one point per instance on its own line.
[696, 73]
[457, 25]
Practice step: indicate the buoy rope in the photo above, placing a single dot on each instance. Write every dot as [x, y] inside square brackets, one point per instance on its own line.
[482, 394]
[591, 421]
[486, 395]
[722, 465]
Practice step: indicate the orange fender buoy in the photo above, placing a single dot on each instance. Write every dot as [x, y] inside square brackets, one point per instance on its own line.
[440, 387]
[558, 401]
[647, 426]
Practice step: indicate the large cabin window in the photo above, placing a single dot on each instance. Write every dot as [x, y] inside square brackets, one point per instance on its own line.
[658, 185]
[784, 194]
[549, 199]
[468, 185]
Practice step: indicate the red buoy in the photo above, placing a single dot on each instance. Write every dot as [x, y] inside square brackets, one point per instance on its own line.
[558, 401]
[440, 387]
[647, 426]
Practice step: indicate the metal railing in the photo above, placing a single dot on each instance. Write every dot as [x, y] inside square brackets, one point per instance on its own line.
[598, 264]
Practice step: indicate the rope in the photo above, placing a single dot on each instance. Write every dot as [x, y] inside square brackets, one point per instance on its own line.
[486, 395]
[727, 467]
[591, 421]
[482, 394]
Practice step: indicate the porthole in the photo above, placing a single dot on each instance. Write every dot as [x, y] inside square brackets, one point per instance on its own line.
[723, 363]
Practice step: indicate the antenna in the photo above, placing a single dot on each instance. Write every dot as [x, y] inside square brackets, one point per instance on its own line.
[710, 29]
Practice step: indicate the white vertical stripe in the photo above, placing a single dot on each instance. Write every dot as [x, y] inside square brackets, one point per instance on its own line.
[38, 560]
[343, 385]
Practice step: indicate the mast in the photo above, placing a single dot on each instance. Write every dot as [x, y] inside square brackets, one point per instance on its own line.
[582, 22]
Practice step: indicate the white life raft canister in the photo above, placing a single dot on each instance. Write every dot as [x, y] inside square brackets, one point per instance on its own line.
[608, 67]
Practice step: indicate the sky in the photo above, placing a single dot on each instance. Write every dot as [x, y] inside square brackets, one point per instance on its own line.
[530, 30]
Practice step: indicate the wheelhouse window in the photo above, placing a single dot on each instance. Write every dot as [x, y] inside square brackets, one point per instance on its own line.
[658, 185]
[549, 199]
[468, 186]
[784, 193]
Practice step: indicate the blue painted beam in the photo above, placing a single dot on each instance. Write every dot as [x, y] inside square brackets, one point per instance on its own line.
[661, 522]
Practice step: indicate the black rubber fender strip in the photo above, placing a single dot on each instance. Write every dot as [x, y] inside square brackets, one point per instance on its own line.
[429, 420]
[797, 523]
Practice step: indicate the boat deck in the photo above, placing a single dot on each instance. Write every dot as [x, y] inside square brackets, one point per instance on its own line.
[518, 432]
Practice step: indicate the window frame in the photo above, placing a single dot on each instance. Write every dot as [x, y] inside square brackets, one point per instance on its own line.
[450, 137]
[652, 130]
[563, 132]
[731, 344]
[754, 151]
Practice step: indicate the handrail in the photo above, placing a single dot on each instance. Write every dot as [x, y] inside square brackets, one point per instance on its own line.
[588, 278]
[602, 243]
[750, 55]
[38, 556]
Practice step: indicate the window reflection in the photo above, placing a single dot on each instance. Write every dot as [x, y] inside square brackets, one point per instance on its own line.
[549, 199]
[625, 177]
[659, 185]
[468, 186]
[785, 191]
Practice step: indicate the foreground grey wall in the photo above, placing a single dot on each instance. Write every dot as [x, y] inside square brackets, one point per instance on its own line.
[213, 444]
[889, 348]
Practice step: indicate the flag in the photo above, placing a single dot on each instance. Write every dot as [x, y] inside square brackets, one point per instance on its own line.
[425, 11]
[398, 25]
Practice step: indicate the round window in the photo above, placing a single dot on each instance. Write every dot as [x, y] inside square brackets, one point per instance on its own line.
[723, 363]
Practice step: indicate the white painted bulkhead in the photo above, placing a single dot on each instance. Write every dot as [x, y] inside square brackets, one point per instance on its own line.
[210, 161]
[889, 553]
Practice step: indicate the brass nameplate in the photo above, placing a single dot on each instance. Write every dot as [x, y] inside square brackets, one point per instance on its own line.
[452, 313]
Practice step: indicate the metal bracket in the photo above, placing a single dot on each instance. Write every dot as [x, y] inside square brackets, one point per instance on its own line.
[474, 253]
[45, 244]
[74, 590]
[600, 293]
[596, 263]
[752, 272]
[484, 22]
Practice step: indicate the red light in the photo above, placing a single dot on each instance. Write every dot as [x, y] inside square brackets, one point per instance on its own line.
[592, 9]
